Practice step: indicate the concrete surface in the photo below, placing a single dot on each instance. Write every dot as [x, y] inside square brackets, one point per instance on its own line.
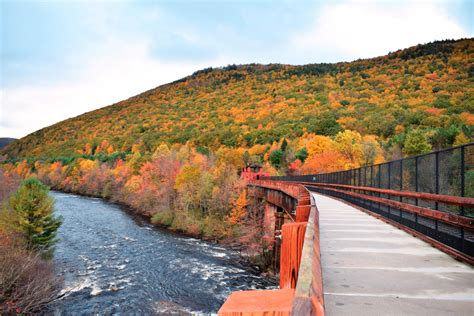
[372, 268]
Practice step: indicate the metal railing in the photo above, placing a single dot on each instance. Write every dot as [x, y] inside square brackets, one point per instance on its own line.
[430, 193]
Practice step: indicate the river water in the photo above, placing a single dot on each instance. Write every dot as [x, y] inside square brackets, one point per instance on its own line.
[115, 263]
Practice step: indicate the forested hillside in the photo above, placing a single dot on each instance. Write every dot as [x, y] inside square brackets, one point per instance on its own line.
[173, 153]
[430, 87]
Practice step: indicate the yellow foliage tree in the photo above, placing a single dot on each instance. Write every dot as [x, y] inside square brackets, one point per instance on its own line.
[187, 177]
[161, 150]
[86, 165]
[239, 209]
[318, 144]
[348, 143]
[230, 156]
[461, 139]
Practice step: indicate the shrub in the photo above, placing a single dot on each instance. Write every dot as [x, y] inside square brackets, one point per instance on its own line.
[164, 218]
[27, 282]
[215, 228]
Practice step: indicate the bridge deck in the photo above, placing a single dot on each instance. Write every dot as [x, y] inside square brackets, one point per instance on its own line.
[372, 268]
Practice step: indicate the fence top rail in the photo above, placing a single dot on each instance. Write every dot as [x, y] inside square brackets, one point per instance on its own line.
[376, 165]
[449, 218]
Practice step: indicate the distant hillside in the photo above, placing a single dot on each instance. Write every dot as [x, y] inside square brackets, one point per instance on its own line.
[428, 86]
[5, 141]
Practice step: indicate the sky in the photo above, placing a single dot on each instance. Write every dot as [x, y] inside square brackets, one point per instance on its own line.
[59, 59]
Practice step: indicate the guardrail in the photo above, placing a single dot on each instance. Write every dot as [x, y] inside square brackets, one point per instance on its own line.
[301, 287]
[309, 295]
[431, 195]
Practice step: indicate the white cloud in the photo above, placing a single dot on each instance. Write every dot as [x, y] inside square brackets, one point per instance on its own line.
[363, 29]
[118, 69]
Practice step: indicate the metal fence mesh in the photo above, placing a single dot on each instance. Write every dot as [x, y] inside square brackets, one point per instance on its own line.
[446, 172]
[468, 179]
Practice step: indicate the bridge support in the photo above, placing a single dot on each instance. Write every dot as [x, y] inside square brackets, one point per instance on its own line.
[269, 224]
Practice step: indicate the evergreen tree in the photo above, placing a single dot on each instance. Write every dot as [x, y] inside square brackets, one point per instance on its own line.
[34, 209]
[302, 154]
[275, 158]
[284, 145]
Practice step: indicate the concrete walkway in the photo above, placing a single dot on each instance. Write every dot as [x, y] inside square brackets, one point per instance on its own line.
[373, 268]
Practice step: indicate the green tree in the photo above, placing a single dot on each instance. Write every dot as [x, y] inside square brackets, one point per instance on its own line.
[325, 124]
[445, 137]
[416, 143]
[284, 145]
[302, 154]
[275, 158]
[34, 210]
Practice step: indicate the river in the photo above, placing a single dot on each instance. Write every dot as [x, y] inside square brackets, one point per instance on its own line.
[115, 263]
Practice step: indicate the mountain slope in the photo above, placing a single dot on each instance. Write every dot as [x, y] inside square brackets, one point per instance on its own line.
[5, 141]
[429, 86]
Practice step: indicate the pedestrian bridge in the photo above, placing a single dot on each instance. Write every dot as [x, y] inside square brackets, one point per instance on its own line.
[372, 268]
[359, 242]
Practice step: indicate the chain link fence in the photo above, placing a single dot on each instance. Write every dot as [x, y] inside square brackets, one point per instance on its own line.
[445, 172]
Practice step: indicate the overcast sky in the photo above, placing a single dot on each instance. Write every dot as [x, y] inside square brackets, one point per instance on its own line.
[62, 58]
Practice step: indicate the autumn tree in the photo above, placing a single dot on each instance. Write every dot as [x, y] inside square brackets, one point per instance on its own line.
[193, 185]
[317, 144]
[294, 167]
[23, 169]
[88, 149]
[328, 161]
[239, 209]
[348, 144]
[371, 152]
[416, 143]
[461, 139]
